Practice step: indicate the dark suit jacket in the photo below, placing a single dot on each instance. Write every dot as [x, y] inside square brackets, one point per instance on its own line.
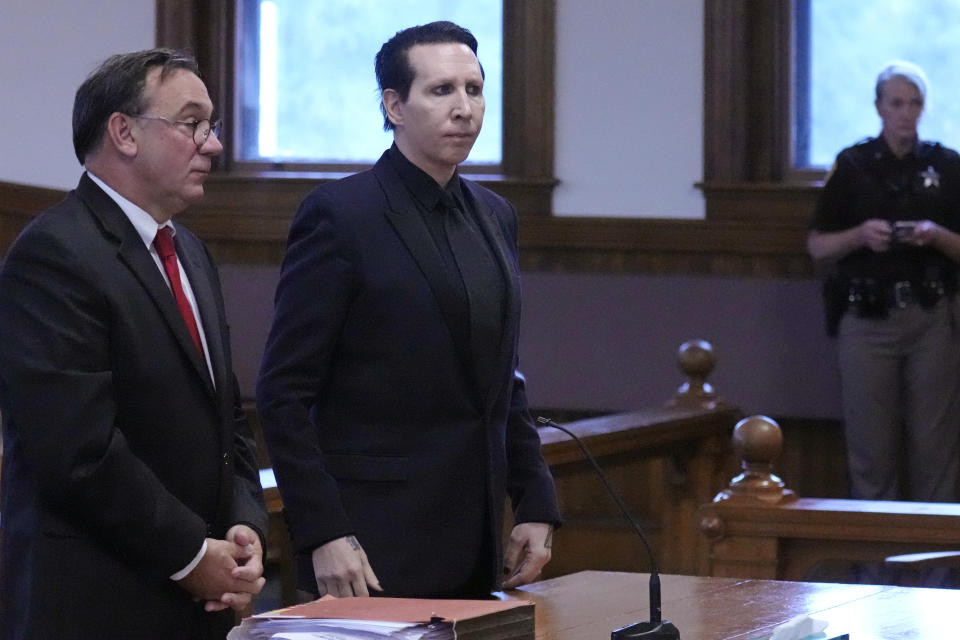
[120, 456]
[371, 416]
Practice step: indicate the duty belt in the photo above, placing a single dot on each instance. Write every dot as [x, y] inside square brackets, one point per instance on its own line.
[902, 294]
[870, 298]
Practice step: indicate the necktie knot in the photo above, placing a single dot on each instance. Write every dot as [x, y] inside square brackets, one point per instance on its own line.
[163, 241]
[448, 202]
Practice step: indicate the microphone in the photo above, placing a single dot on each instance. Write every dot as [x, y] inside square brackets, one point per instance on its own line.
[656, 628]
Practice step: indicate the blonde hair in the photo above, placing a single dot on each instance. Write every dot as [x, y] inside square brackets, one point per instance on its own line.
[906, 70]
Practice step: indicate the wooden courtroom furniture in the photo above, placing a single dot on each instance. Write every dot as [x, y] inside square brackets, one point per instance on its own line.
[910, 569]
[591, 604]
[757, 528]
[664, 461]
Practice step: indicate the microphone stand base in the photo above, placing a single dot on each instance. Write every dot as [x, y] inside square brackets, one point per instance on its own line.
[647, 631]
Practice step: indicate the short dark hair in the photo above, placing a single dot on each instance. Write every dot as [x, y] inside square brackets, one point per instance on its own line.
[392, 64]
[117, 86]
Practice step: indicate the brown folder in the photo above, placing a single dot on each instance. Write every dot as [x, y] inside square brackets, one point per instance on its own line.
[438, 619]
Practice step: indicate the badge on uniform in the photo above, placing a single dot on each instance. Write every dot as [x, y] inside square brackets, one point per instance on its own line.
[931, 179]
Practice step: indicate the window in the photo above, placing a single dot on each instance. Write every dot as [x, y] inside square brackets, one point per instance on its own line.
[306, 89]
[841, 45]
[525, 176]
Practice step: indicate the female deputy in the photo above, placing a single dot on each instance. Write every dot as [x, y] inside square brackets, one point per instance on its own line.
[886, 231]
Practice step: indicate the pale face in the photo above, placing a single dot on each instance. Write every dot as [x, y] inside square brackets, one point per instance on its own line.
[900, 107]
[438, 124]
[170, 169]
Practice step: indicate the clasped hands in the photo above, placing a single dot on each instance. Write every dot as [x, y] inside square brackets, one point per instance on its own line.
[230, 573]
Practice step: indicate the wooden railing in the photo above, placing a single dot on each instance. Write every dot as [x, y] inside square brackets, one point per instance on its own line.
[664, 462]
[757, 527]
[18, 205]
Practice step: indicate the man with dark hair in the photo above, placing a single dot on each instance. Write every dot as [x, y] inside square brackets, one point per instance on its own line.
[392, 67]
[131, 500]
[389, 396]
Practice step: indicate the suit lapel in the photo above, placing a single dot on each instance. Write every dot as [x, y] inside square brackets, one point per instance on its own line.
[193, 261]
[499, 246]
[407, 222]
[135, 255]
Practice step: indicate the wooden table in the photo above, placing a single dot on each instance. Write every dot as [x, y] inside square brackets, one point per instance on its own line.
[590, 604]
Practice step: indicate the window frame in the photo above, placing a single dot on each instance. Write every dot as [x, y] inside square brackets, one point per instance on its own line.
[747, 87]
[305, 165]
[207, 28]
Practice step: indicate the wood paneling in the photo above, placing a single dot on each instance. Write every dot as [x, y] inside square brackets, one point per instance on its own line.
[813, 462]
[18, 205]
[747, 78]
[528, 88]
[244, 220]
[664, 462]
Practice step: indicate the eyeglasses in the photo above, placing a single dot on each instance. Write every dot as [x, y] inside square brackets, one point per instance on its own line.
[201, 128]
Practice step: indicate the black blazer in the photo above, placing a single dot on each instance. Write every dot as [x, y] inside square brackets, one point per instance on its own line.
[120, 454]
[371, 416]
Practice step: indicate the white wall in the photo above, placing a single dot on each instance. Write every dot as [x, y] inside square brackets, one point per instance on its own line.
[47, 48]
[629, 108]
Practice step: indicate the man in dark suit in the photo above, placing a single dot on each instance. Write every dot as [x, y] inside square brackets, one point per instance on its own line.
[131, 502]
[389, 396]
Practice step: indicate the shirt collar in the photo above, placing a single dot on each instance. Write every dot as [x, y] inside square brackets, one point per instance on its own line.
[423, 187]
[142, 221]
[887, 151]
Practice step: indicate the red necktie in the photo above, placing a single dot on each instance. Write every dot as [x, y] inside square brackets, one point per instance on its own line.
[168, 256]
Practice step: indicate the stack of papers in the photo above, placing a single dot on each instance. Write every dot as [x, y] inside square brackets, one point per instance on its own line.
[332, 618]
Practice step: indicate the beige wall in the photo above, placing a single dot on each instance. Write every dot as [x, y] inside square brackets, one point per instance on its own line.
[629, 108]
[47, 47]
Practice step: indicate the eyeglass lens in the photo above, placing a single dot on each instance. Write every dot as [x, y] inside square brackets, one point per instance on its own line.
[203, 129]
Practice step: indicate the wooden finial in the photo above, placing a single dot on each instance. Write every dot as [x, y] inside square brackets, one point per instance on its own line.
[757, 441]
[696, 360]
